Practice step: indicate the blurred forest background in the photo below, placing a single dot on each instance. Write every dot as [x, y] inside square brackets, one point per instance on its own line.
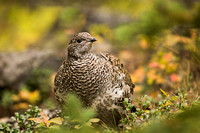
[157, 40]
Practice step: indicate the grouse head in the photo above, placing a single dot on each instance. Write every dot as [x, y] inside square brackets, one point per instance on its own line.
[80, 45]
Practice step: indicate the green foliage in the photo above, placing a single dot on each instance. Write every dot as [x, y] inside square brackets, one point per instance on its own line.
[150, 112]
[21, 122]
[75, 111]
[102, 31]
[36, 89]
[5, 98]
[76, 118]
[46, 122]
[24, 25]
[129, 7]
[71, 18]
[175, 11]
[125, 33]
[184, 122]
[196, 20]
[152, 22]
[40, 80]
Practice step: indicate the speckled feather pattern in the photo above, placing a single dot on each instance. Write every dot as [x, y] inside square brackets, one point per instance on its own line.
[100, 80]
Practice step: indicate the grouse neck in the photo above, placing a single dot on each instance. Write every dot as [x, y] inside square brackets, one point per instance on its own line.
[81, 57]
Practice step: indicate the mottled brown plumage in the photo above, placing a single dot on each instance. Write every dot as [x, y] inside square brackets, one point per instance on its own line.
[100, 80]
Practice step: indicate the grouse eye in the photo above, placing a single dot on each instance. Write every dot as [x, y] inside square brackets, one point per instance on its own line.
[78, 40]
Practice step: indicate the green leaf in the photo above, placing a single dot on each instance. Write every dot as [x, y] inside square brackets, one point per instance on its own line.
[174, 98]
[94, 120]
[164, 93]
[40, 125]
[57, 120]
[36, 120]
[77, 126]
[147, 111]
[125, 101]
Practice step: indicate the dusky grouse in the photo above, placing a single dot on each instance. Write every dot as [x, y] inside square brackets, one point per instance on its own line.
[100, 80]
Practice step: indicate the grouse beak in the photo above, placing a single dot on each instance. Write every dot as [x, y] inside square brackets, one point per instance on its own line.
[93, 39]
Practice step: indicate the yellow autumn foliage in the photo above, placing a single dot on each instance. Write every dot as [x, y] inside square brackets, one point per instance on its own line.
[25, 26]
